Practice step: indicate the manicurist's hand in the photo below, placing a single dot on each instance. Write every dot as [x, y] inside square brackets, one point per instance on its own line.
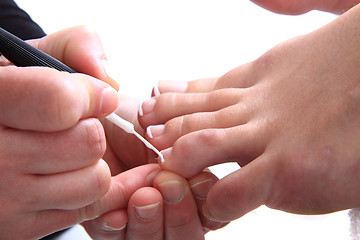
[171, 209]
[141, 201]
[51, 141]
[290, 119]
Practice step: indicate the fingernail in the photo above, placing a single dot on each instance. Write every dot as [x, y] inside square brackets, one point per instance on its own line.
[172, 86]
[108, 100]
[154, 130]
[172, 191]
[140, 111]
[147, 106]
[109, 228]
[156, 91]
[110, 74]
[207, 214]
[148, 212]
[166, 153]
[201, 189]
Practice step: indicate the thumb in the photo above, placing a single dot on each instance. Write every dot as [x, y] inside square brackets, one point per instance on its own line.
[80, 48]
[240, 192]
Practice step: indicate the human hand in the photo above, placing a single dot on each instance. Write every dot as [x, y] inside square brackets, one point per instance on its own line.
[169, 210]
[290, 119]
[303, 6]
[51, 142]
[162, 219]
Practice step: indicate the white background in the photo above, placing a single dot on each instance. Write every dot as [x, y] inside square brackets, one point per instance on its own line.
[151, 40]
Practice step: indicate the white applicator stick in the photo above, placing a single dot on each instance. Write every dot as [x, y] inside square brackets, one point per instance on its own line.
[129, 128]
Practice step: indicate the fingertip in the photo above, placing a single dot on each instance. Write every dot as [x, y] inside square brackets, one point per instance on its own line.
[156, 91]
[145, 196]
[166, 154]
[180, 210]
[114, 221]
[109, 75]
[240, 192]
[201, 184]
[145, 110]
[217, 213]
[173, 158]
[109, 101]
[103, 99]
[140, 111]
[146, 204]
[173, 187]
[145, 211]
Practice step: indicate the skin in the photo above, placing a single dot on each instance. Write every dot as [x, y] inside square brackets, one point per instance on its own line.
[45, 115]
[53, 144]
[289, 118]
[295, 7]
[126, 223]
[166, 213]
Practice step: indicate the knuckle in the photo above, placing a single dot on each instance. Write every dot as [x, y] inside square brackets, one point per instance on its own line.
[214, 96]
[211, 137]
[207, 139]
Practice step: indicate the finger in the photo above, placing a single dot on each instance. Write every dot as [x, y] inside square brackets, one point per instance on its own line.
[145, 215]
[240, 77]
[49, 153]
[243, 76]
[109, 226]
[48, 100]
[167, 106]
[240, 192]
[208, 147]
[70, 190]
[196, 86]
[121, 189]
[80, 48]
[164, 136]
[200, 186]
[180, 211]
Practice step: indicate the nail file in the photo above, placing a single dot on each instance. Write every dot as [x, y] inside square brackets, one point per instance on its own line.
[23, 54]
